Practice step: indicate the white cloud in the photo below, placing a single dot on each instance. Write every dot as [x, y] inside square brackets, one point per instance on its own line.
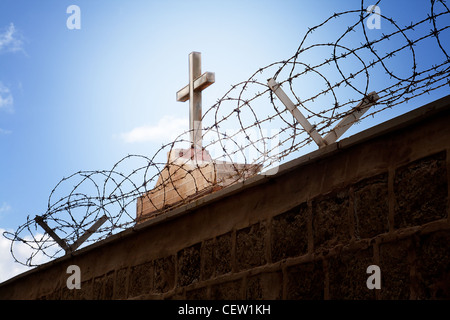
[4, 131]
[4, 207]
[9, 40]
[6, 99]
[8, 266]
[166, 130]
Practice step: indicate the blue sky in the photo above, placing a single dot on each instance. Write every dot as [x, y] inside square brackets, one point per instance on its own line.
[74, 100]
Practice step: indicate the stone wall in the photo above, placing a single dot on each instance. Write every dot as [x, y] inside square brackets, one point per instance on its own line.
[380, 198]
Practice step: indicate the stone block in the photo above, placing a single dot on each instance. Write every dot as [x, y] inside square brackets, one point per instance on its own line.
[265, 286]
[109, 286]
[98, 288]
[289, 234]
[348, 275]
[222, 254]
[207, 259]
[433, 266]
[140, 279]
[250, 247]
[421, 191]
[306, 281]
[330, 219]
[85, 293]
[371, 206]
[197, 294]
[164, 274]
[120, 290]
[216, 256]
[395, 269]
[189, 265]
[227, 291]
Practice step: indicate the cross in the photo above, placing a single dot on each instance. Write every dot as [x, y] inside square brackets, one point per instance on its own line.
[193, 93]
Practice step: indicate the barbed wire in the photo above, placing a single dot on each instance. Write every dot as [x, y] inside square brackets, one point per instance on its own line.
[251, 132]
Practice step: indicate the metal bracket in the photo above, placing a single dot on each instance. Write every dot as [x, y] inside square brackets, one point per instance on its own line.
[52, 233]
[352, 117]
[338, 130]
[310, 129]
[70, 248]
[88, 233]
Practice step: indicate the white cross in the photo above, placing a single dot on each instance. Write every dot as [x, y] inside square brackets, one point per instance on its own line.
[193, 93]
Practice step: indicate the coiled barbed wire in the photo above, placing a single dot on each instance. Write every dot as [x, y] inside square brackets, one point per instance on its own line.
[325, 79]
